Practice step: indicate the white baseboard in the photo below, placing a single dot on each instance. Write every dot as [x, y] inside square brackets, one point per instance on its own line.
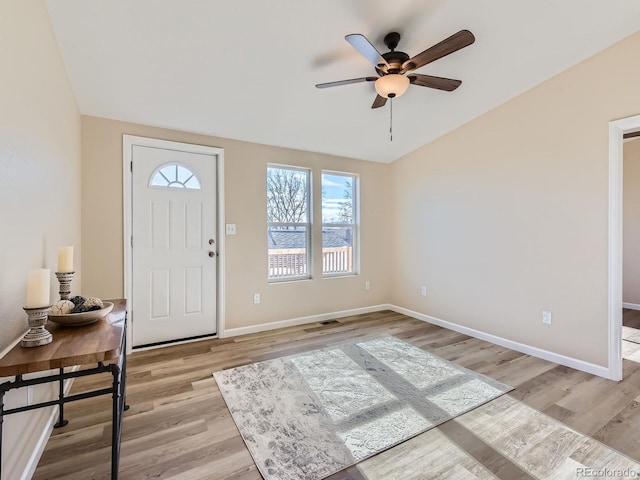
[8, 348]
[232, 332]
[35, 441]
[39, 446]
[631, 306]
[519, 347]
[503, 342]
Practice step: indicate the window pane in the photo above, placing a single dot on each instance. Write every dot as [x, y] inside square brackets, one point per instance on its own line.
[169, 171]
[288, 251]
[337, 198]
[287, 195]
[337, 249]
[183, 174]
[159, 181]
[193, 183]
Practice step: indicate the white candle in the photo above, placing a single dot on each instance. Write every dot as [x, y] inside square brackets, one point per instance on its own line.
[65, 259]
[38, 288]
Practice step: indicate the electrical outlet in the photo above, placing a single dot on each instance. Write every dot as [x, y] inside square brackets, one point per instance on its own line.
[256, 298]
[230, 228]
[423, 291]
[546, 317]
[367, 285]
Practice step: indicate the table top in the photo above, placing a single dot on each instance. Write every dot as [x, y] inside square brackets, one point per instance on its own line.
[98, 342]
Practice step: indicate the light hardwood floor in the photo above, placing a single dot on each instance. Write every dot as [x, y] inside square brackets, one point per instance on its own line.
[631, 335]
[178, 426]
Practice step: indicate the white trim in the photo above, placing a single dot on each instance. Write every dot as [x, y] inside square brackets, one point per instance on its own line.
[41, 443]
[504, 342]
[43, 437]
[9, 347]
[631, 306]
[127, 222]
[323, 317]
[617, 128]
[128, 141]
[221, 245]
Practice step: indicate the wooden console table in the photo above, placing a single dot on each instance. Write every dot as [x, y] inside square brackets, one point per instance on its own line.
[97, 343]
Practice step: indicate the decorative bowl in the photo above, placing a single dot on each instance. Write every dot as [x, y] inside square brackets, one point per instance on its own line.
[84, 318]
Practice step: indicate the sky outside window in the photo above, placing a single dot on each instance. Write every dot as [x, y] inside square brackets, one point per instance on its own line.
[337, 194]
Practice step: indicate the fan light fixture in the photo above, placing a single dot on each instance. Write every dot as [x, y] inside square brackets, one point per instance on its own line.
[392, 85]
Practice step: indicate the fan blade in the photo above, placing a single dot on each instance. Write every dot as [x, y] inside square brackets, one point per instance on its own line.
[346, 82]
[379, 102]
[448, 84]
[368, 51]
[447, 46]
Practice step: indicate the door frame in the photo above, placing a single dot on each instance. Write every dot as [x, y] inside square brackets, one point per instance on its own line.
[128, 142]
[617, 128]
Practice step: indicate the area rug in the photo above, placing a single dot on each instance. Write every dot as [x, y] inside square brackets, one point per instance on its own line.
[307, 416]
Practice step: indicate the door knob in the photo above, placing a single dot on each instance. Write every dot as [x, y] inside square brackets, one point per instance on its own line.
[212, 254]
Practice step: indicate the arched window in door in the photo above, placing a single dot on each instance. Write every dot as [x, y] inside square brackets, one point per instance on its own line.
[174, 175]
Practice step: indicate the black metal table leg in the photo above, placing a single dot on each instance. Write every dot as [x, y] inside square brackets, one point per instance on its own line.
[1, 420]
[61, 421]
[116, 421]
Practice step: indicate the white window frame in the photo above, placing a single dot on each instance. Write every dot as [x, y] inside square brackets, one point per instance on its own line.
[308, 224]
[355, 224]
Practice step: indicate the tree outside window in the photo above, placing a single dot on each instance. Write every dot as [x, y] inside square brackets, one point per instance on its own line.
[288, 222]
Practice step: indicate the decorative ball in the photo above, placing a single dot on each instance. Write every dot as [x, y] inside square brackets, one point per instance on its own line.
[78, 300]
[93, 302]
[81, 308]
[62, 307]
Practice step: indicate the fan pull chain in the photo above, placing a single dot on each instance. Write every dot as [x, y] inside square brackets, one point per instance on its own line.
[391, 120]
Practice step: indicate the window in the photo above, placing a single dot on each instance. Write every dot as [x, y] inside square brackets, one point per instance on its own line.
[339, 223]
[288, 222]
[173, 175]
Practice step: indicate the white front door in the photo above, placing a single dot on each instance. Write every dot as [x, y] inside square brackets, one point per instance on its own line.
[174, 249]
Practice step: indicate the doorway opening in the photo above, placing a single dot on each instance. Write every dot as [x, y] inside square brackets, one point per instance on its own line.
[173, 243]
[631, 247]
[617, 131]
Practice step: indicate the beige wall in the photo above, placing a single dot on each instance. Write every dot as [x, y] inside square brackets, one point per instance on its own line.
[39, 188]
[245, 202]
[507, 215]
[631, 222]
[39, 158]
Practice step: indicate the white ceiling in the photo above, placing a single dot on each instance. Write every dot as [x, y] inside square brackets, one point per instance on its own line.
[246, 69]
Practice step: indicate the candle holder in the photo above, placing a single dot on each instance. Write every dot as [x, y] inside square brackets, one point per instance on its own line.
[65, 284]
[37, 334]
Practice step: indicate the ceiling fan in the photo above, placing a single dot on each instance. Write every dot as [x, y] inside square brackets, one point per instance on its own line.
[394, 67]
